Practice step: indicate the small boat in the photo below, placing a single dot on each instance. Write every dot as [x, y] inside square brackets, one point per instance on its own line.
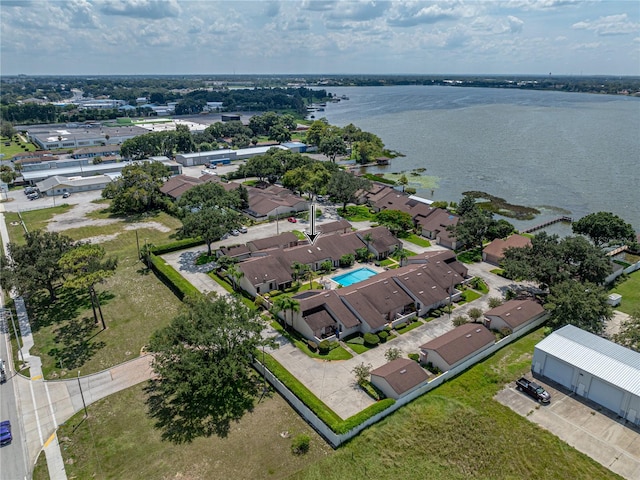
[344, 97]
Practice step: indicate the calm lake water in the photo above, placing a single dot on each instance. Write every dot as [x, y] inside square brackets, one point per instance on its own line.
[560, 152]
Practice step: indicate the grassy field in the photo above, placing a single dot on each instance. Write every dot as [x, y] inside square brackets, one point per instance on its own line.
[65, 335]
[456, 432]
[15, 146]
[118, 441]
[630, 291]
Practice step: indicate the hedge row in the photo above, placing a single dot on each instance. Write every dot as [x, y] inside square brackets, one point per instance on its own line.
[317, 406]
[172, 279]
[177, 245]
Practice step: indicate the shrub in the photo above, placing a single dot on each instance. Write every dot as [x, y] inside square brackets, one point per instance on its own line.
[459, 320]
[383, 335]
[436, 313]
[300, 444]
[414, 356]
[387, 329]
[506, 331]
[170, 277]
[371, 339]
[333, 344]
[495, 302]
[401, 325]
[313, 346]
[475, 314]
[323, 347]
[392, 354]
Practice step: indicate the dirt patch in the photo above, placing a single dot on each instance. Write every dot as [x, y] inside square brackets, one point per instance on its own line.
[76, 218]
[132, 226]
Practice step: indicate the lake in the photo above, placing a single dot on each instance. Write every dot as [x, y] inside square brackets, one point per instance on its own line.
[560, 152]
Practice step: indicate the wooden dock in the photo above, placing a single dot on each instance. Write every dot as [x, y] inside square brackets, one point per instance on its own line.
[547, 223]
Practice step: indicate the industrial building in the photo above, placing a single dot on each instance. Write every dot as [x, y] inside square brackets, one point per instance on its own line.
[592, 367]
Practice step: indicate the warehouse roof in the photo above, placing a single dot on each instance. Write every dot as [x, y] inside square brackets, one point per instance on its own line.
[602, 358]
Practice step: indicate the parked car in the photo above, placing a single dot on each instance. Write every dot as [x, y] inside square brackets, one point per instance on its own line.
[212, 166]
[292, 219]
[243, 229]
[533, 390]
[5, 433]
[33, 196]
[3, 373]
[66, 195]
[235, 233]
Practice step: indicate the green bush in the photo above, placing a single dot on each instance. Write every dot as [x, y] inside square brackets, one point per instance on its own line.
[414, 356]
[371, 339]
[300, 444]
[333, 344]
[177, 245]
[383, 335]
[436, 313]
[401, 325]
[323, 347]
[176, 282]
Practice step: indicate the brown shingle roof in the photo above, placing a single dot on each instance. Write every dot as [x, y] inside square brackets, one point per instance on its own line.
[341, 226]
[497, 247]
[401, 374]
[516, 312]
[461, 342]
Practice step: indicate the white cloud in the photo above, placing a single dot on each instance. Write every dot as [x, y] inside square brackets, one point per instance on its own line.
[150, 9]
[609, 25]
[414, 13]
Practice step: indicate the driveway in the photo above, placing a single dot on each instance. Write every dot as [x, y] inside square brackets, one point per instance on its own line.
[584, 425]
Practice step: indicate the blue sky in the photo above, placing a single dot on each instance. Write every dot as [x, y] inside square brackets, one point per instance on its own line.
[103, 37]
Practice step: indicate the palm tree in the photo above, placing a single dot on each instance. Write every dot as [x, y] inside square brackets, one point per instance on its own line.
[284, 303]
[401, 254]
[235, 275]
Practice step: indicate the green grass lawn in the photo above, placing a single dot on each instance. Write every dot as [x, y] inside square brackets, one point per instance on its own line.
[630, 291]
[355, 213]
[417, 240]
[458, 432]
[118, 441]
[15, 147]
[470, 295]
[409, 327]
[65, 336]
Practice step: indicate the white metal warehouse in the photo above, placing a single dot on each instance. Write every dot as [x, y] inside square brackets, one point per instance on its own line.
[592, 367]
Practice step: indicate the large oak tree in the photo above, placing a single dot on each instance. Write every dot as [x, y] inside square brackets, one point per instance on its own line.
[203, 360]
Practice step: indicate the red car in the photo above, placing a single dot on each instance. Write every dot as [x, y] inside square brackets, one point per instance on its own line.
[292, 219]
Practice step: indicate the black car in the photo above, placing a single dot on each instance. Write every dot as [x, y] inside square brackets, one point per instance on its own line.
[533, 390]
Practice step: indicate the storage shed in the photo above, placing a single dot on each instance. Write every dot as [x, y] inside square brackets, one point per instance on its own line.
[594, 368]
[398, 377]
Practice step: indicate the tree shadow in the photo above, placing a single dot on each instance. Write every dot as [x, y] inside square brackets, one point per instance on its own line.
[76, 338]
[69, 304]
[183, 418]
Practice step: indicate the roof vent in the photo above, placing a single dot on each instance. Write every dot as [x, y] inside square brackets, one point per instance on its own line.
[478, 330]
[395, 291]
[507, 314]
[468, 335]
[385, 282]
[404, 370]
[433, 287]
[421, 292]
[519, 308]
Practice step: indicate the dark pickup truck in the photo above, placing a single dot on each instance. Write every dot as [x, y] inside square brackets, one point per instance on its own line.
[533, 390]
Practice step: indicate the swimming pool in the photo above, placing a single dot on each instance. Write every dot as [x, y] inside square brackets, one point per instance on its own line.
[355, 276]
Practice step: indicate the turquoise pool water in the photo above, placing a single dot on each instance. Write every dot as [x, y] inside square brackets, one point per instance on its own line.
[355, 276]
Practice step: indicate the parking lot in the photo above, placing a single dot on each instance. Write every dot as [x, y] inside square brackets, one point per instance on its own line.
[582, 424]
